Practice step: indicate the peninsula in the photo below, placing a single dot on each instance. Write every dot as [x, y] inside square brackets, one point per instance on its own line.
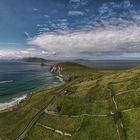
[92, 104]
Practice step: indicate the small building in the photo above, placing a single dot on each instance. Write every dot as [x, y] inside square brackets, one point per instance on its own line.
[58, 109]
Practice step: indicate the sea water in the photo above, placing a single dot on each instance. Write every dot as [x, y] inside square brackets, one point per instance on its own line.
[21, 78]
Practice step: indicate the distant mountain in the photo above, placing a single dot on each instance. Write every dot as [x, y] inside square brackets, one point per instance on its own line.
[34, 59]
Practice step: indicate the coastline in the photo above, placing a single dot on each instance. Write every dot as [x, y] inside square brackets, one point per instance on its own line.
[9, 106]
[16, 102]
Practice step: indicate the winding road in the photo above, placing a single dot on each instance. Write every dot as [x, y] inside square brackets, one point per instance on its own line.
[23, 134]
[33, 121]
[37, 116]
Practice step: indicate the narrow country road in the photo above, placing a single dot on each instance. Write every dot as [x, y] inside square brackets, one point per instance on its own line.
[37, 116]
[55, 130]
[33, 121]
[119, 125]
[82, 115]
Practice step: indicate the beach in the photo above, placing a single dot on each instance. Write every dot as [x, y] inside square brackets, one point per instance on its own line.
[4, 107]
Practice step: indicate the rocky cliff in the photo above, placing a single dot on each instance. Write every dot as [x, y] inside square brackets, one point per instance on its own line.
[60, 72]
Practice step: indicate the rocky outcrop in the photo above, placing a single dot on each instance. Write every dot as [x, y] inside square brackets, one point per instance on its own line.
[60, 72]
[57, 70]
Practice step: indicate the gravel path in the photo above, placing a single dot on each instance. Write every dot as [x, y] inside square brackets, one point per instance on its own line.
[55, 130]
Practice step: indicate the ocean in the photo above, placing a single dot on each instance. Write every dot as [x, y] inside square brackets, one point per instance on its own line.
[18, 79]
[21, 78]
[110, 64]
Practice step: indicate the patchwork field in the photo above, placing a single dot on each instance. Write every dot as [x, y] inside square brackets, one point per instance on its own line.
[95, 105]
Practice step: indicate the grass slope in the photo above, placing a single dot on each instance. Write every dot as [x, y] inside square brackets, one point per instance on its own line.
[96, 105]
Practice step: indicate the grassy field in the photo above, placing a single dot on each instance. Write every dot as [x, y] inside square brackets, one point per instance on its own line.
[132, 123]
[96, 105]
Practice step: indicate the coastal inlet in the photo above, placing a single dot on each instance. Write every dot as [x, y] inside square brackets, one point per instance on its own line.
[18, 79]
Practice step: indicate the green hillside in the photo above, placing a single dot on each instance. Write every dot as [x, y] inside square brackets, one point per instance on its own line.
[96, 105]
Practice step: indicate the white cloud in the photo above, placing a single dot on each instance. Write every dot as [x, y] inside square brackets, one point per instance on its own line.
[44, 29]
[39, 25]
[46, 16]
[29, 52]
[74, 0]
[119, 34]
[75, 13]
[62, 20]
[8, 53]
[44, 52]
[27, 34]
[108, 39]
[31, 49]
[84, 2]
[127, 4]
[74, 3]
[117, 10]
[48, 53]
[35, 9]
[77, 3]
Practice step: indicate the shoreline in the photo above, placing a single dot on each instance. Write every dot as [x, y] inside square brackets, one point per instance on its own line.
[9, 106]
[15, 102]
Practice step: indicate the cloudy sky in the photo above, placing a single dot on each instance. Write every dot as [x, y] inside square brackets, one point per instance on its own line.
[94, 29]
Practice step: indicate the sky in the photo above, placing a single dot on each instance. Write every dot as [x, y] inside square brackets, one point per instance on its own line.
[70, 29]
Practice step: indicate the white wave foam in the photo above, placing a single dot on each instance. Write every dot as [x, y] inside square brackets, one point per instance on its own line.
[14, 102]
[60, 79]
[3, 82]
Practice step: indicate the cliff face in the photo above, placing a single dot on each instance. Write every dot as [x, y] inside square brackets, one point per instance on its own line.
[57, 70]
[60, 72]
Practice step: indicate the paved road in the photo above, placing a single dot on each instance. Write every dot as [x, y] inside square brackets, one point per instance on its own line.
[37, 116]
[33, 121]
